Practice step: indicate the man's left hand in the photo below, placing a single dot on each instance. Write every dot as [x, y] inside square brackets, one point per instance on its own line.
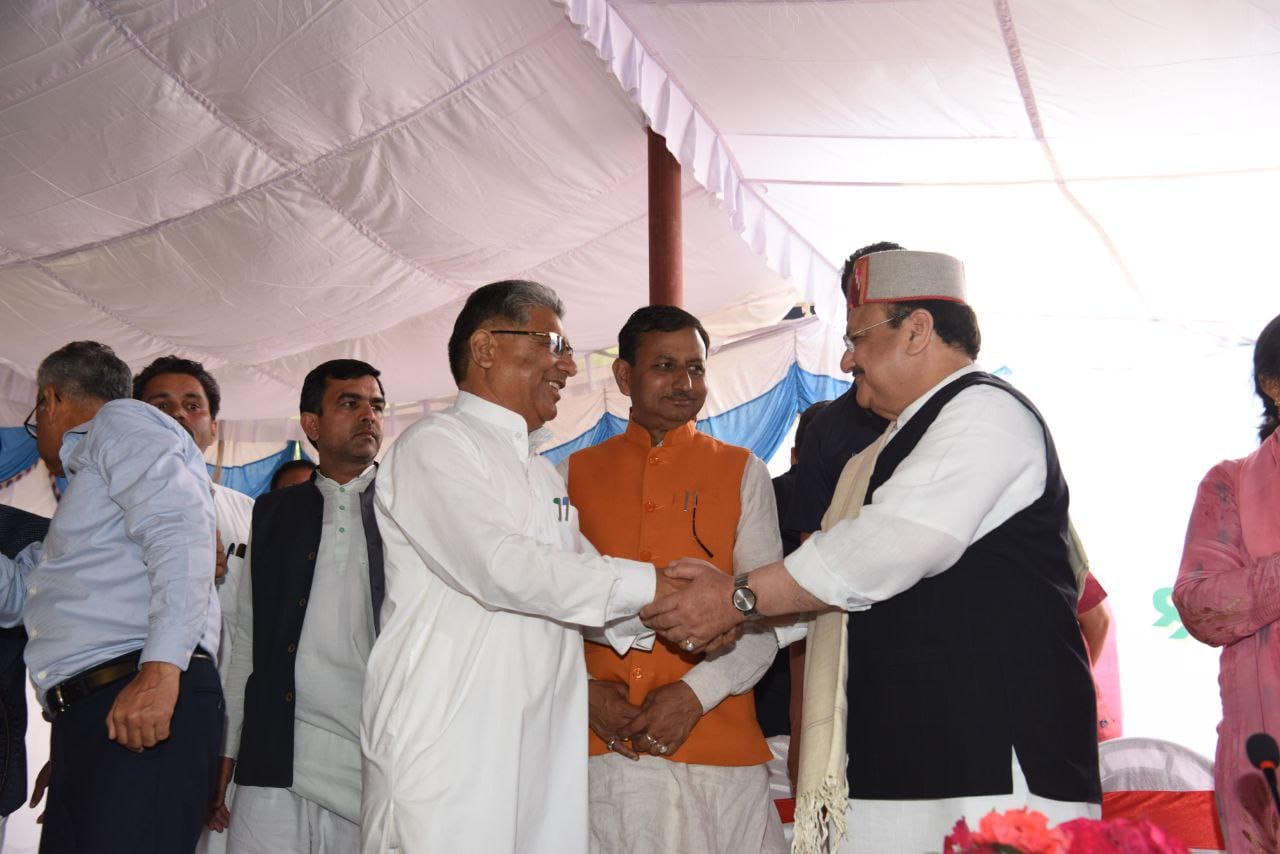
[665, 720]
[697, 615]
[140, 716]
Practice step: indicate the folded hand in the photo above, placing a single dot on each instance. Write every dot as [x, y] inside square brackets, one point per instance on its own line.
[665, 720]
[609, 714]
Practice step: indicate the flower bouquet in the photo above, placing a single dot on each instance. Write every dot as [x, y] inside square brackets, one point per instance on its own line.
[1024, 831]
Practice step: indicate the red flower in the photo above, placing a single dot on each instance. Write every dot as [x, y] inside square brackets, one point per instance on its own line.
[1023, 829]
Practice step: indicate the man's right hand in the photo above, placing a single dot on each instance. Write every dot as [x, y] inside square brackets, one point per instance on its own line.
[219, 816]
[609, 712]
[140, 716]
[219, 559]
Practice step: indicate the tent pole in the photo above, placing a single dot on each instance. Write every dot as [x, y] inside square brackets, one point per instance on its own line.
[666, 277]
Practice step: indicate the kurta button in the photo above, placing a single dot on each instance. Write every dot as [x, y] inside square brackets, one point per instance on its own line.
[654, 460]
[293, 647]
[645, 554]
[311, 556]
[650, 506]
[302, 603]
[637, 673]
[288, 696]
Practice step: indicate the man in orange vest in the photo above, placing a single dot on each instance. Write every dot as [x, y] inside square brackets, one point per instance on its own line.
[678, 728]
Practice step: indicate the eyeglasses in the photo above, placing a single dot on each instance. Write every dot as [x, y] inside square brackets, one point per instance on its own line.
[557, 343]
[30, 424]
[851, 341]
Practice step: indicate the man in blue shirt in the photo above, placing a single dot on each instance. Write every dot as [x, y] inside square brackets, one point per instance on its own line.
[121, 614]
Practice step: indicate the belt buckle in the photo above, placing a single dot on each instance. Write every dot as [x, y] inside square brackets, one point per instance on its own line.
[61, 702]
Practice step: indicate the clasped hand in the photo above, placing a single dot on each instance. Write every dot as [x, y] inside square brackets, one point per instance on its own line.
[697, 615]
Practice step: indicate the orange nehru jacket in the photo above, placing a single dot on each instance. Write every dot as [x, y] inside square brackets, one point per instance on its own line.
[637, 501]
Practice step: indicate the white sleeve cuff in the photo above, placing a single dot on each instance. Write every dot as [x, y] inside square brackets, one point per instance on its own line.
[636, 587]
[806, 566]
[790, 633]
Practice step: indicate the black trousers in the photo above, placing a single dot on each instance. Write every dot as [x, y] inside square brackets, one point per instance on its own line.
[106, 798]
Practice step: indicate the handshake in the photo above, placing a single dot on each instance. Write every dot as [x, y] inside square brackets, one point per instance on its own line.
[693, 608]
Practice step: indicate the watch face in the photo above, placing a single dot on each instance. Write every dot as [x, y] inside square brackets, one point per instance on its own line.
[744, 599]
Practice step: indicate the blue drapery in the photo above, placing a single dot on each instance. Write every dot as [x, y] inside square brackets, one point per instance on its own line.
[760, 424]
[17, 452]
[254, 478]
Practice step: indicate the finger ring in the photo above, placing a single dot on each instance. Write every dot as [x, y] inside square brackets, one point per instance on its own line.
[688, 645]
[662, 749]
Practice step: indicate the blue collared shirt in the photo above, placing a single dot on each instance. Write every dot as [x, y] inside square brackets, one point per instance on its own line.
[128, 562]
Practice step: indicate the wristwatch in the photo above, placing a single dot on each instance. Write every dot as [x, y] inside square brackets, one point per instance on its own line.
[744, 598]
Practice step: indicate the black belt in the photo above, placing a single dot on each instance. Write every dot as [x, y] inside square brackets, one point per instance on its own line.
[60, 697]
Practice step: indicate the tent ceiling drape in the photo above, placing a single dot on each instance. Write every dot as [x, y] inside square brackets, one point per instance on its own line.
[262, 187]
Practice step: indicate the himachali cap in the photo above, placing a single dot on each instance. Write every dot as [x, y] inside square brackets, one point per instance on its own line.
[900, 275]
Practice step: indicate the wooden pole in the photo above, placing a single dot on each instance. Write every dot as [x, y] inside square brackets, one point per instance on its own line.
[666, 271]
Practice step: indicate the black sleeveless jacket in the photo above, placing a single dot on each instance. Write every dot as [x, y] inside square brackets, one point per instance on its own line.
[950, 677]
[286, 535]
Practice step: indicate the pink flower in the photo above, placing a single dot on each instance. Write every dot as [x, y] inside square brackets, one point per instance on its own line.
[959, 840]
[1023, 831]
[1120, 836]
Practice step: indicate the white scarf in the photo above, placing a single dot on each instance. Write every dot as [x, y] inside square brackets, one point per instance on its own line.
[823, 786]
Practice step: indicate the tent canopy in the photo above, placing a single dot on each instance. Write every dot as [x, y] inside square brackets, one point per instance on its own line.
[264, 187]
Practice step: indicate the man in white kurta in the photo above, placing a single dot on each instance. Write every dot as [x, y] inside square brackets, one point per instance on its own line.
[189, 394]
[234, 512]
[475, 700]
[967, 687]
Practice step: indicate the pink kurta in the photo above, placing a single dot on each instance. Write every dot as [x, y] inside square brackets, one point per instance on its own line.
[1228, 594]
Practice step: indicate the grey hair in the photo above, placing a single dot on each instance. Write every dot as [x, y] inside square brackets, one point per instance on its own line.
[86, 369]
[510, 300]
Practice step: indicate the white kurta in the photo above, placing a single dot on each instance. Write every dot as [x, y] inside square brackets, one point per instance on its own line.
[981, 461]
[234, 511]
[475, 700]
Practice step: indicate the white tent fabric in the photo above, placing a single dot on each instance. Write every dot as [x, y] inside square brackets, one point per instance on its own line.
[261, 188]
[265, 186]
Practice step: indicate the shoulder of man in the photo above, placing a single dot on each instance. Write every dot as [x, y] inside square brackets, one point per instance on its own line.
[233, 497]
[297, 496]
[131, 415]
[705, 443]
[592, 453]
[131, 433]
